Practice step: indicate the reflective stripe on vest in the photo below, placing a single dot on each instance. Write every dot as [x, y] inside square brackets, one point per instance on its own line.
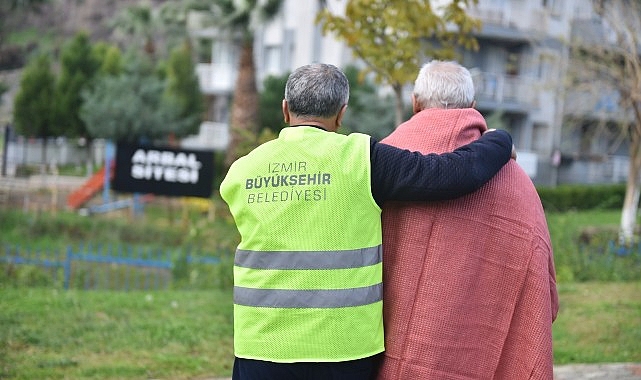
[354, 258]
[318, 298]
[308, 298]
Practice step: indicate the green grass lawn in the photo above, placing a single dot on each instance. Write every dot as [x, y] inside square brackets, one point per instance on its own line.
[55, 334]
[48, 333]
[598, 323]
[51, 334]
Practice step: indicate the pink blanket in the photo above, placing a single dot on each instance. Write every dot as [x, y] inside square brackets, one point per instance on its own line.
[469, 284]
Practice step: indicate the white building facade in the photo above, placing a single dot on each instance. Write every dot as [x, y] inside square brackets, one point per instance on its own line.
[519, 72]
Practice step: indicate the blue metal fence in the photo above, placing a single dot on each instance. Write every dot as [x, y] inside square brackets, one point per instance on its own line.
[104, 267]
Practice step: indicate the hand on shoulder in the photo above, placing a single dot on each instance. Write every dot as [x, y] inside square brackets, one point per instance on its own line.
[513, 155]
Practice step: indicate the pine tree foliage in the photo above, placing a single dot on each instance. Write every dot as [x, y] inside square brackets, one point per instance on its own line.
[78, 67]
[33, 104]
[129, 106]
[184, 91]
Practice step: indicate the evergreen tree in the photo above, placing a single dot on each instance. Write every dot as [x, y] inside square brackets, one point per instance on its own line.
[368, 112]
[134, 105]
[78, 67]
[110, 58]
[183, 89]
[270, 102]
[33, 104]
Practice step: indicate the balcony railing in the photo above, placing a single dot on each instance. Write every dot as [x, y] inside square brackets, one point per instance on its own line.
[501, 89]
[489, 15]
[518, 18]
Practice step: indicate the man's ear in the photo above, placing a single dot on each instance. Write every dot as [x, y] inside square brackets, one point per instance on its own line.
[285, 108]
[339, 117]
[473, 105]
[416, 108]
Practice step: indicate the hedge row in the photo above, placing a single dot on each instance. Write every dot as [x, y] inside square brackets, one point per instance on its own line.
[582, 197]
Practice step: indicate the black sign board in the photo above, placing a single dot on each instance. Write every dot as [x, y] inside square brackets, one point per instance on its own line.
[163, 171]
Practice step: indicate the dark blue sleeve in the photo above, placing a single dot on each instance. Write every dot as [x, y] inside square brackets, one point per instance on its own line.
[401, 175]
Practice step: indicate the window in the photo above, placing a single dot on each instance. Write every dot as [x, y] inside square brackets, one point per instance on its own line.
[204, 50]
[546, 69]
[222, 53]
[512, 64]
[272, 59]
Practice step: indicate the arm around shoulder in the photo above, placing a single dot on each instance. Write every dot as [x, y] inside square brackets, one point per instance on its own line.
[399, 174]
[487, 155]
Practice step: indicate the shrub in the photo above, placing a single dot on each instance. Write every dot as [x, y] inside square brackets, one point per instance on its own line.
[582, 197]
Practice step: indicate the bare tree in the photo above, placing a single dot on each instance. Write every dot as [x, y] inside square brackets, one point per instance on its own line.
[610, 62]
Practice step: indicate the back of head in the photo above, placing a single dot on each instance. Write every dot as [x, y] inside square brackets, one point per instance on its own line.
[444, 84]
[317, 89]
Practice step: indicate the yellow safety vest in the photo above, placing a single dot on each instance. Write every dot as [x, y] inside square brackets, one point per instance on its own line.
[308, 269]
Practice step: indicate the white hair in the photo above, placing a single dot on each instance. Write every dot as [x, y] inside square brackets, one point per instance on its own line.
[444, 84]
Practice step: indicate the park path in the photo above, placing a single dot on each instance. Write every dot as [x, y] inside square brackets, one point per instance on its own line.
[610, 371]
[614, 371]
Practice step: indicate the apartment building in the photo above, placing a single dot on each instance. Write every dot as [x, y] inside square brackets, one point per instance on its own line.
[595, 150]
[519, 72]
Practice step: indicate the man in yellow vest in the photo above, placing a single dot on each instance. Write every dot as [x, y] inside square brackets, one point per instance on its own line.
[308, 269]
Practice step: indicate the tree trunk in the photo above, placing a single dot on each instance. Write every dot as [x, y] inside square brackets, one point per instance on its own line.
[244, 110]
[631, 201]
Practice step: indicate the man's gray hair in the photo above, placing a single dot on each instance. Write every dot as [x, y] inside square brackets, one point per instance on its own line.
[444, 84]
[317, 89]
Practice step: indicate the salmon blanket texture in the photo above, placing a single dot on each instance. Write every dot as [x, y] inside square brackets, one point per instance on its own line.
[469, 284]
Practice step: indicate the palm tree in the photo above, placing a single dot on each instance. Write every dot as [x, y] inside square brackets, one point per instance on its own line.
[137, 23]
[156, 30]
[242, 18]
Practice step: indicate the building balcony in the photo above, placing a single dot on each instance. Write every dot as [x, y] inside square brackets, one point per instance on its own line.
[508, 26]
[511, 93]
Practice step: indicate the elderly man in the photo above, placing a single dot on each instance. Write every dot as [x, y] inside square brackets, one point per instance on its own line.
[470, 289]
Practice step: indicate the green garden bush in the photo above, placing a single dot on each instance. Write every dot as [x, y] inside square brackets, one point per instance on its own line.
[582, 197]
